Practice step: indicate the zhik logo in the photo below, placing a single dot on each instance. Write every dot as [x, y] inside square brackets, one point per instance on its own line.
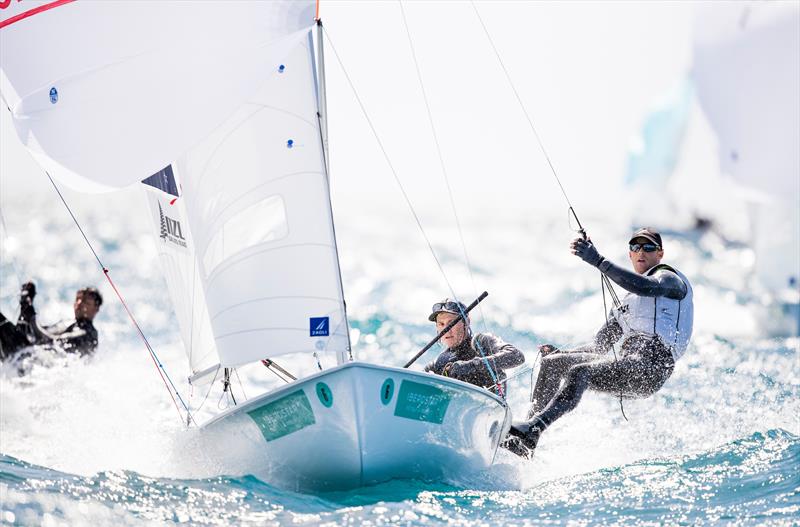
[319, 326]
[170, 229]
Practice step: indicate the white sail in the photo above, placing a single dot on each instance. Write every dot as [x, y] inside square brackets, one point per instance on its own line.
[176, 254]
[257, 199]
[105, 94]
[746, 69]
[747, 74]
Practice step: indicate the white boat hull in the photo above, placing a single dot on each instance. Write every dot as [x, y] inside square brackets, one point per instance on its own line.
[359, 424]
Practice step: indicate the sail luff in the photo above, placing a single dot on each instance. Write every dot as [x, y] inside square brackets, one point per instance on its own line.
[342, 355]
[322, 94]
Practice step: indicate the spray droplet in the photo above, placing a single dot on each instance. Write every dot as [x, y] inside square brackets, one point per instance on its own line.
[290, 143]
[281, 68]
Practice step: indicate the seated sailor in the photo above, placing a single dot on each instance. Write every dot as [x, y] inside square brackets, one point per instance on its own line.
[477, 359]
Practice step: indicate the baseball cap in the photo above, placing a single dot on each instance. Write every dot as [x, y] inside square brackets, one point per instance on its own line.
[648, 233]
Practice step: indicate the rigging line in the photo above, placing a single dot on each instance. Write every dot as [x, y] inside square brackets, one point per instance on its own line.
[603, 279]
[173, 392]
[208, 392]
[326, 32]
[535, 133]
[441, 157]
[241, 386]
[522, 105]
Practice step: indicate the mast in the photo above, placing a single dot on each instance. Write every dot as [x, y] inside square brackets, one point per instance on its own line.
[322, 119]
[322, 101]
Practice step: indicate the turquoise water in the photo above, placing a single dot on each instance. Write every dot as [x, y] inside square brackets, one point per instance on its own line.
[751, 481]
[98, 442]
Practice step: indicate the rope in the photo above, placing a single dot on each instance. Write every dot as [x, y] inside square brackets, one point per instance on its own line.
[449, 193]
[211, 384]
[521, 104]
[173, 391]
[326, 32]
[241, 386]
[441, 157]
[603, 279]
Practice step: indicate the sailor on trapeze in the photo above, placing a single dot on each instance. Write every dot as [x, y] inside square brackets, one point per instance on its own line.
[654, 323]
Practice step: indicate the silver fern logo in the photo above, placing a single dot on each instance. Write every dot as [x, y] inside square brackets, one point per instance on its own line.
[163, 223]
[170, 229]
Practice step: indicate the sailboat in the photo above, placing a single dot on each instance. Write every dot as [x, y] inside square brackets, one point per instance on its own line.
[218, 111]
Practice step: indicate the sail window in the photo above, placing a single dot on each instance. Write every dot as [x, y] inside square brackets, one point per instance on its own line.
[259, 223]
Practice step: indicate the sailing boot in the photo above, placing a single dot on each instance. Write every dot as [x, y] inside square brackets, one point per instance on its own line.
[528, 432]
[514, 445]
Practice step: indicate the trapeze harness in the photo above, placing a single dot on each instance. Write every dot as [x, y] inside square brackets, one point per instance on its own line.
[668, 319]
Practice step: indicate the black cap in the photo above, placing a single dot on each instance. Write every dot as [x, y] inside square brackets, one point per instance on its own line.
[447, 306]
[649, 233]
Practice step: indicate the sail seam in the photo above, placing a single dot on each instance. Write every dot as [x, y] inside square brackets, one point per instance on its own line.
[303, 330]
[213, 276]
[336, 300]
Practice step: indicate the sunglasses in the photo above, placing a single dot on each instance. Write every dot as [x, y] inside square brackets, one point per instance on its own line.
[646, 247]
[447, 306]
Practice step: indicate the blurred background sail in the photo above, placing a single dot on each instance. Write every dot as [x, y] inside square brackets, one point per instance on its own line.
[742, 97]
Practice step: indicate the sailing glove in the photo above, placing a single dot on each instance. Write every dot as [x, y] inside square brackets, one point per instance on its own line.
[586, 251]
[460, 369]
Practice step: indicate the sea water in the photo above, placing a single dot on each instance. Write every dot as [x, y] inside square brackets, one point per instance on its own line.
[99, 442]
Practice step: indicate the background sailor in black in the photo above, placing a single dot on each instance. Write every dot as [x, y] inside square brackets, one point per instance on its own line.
[467, 355]
[74, 336]
[654, 322]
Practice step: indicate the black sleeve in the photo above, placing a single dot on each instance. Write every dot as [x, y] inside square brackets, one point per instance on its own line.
[500, 354]
[38, 334]
[78, 340]
[663, 283]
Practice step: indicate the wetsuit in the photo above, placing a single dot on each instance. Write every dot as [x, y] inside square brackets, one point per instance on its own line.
[652, 339]
[468, 360]
[74, 336]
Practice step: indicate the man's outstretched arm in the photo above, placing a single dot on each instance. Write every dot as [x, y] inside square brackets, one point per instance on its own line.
[663, 283]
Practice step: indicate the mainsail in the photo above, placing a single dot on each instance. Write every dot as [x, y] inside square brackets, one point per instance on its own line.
[216, 106]
[106, 93]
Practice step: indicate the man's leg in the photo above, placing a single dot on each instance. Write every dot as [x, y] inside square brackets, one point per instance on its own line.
[552, 372]
[632, 376]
